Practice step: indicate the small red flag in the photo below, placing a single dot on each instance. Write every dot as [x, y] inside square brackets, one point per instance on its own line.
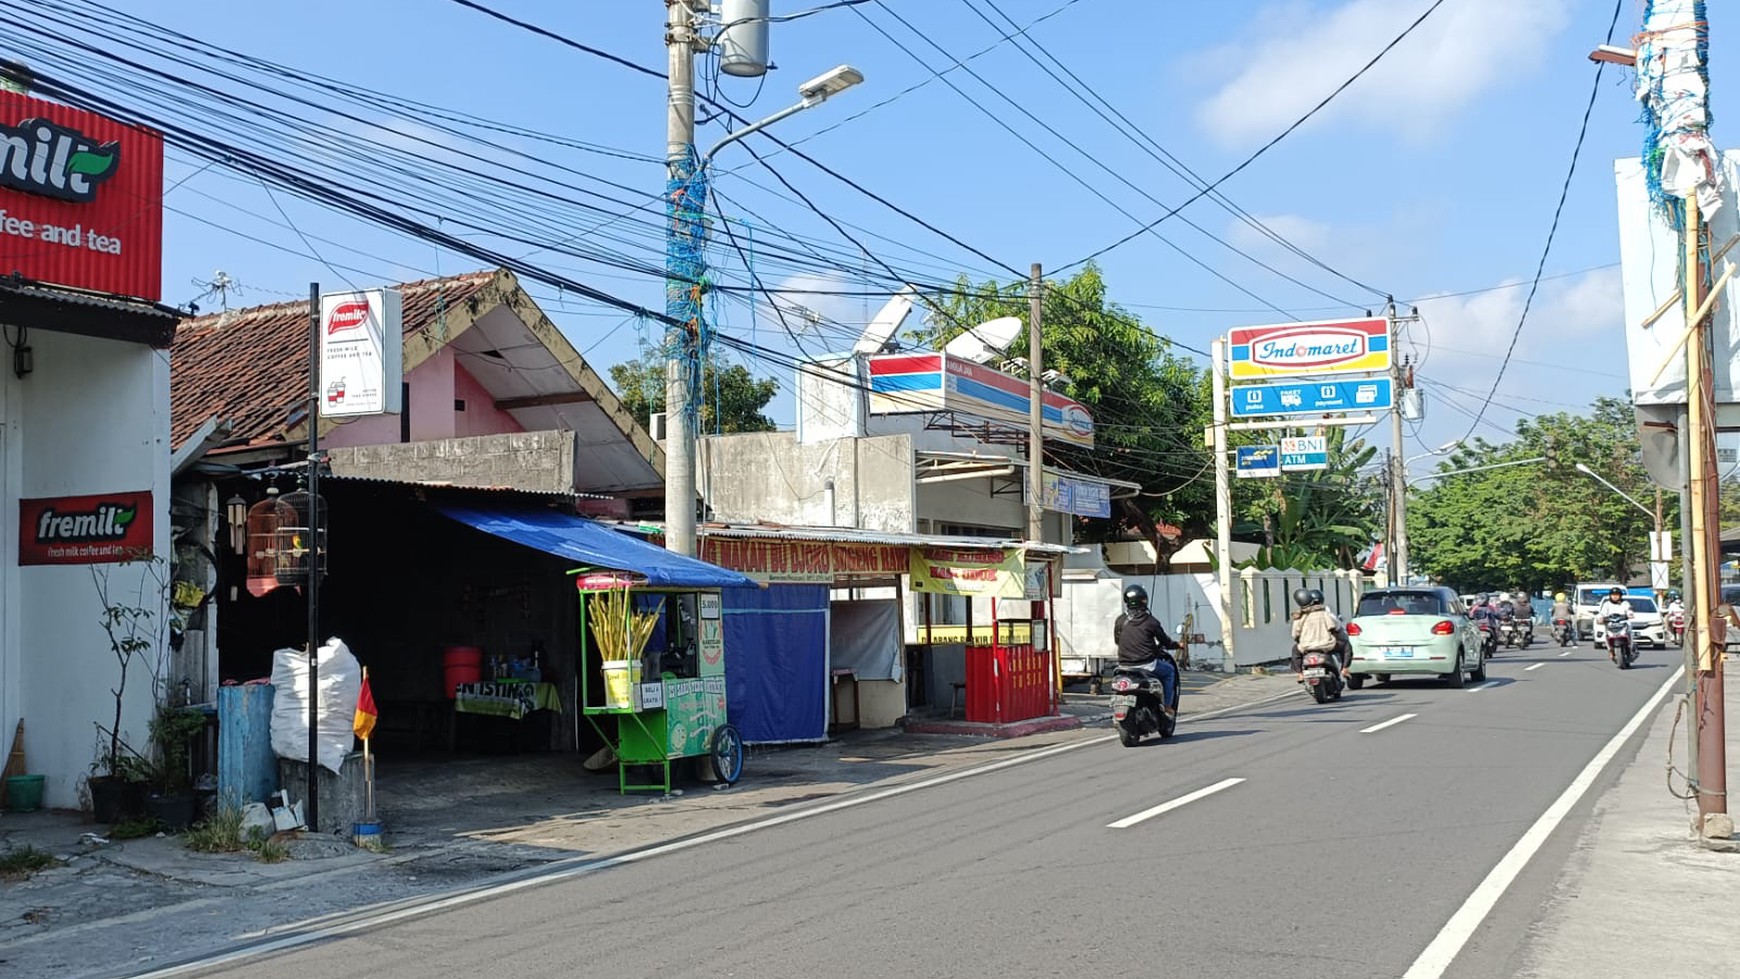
[364, 722]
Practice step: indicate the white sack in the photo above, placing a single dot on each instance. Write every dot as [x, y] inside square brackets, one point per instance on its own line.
[340, 685]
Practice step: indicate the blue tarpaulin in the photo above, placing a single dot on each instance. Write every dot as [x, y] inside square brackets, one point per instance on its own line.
[594, 545]
[776, 682]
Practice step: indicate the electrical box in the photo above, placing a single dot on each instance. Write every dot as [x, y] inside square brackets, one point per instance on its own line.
[742, 40]
[1413, 404]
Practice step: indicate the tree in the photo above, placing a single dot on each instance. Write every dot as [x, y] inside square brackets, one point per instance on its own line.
[1318, 519]
[732, 399]
[1541, 525]
[1148, 404]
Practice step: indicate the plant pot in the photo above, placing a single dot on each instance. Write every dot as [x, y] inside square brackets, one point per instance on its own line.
[173, 809]
[115, 799]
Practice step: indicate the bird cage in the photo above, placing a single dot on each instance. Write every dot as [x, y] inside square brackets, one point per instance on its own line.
[277, 541]
[297, 552]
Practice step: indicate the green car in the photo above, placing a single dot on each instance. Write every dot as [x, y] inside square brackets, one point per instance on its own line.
[1403, 631]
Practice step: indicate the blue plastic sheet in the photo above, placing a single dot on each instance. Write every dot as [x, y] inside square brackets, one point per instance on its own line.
[594, 545]
[776, 682]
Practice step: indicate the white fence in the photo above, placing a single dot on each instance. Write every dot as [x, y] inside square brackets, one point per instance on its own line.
[1262, 608]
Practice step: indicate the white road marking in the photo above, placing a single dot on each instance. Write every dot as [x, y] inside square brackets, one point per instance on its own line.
[1566, 653]
[1534, 667]
[1392, 722]
[582, 866]
[1462, 925]
[1166, 807]
[1479, 687]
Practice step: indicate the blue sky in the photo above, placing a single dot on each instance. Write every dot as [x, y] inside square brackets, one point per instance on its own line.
[1436, 173]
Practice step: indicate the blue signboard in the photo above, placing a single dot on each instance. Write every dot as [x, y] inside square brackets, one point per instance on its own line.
[1312, 397]
[1258, 460]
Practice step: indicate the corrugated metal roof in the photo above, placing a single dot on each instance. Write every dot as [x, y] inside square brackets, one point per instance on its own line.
[853, 535]
[458, 487]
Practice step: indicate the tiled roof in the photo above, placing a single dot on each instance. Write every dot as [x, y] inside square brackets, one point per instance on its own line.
[250, 366]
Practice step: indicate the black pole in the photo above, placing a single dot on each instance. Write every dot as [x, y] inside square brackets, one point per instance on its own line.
[312, 586]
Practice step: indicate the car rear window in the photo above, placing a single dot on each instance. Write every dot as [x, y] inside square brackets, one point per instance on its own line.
[1401, 603]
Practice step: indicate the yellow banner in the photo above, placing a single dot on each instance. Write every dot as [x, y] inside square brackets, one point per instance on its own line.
[948, 571]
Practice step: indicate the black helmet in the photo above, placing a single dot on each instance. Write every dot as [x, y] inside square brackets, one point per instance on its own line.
[1302, 597]
[1135, 597]
[1616, 592]
[1317, 596]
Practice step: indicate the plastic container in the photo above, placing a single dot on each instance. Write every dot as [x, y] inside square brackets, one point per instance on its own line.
[24, 793]
[460, 664]
[620, 676]
[366, 834]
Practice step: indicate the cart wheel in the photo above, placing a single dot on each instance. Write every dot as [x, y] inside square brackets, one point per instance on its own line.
[726, 758]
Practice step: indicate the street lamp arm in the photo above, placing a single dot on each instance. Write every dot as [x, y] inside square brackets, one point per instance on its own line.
[1585, 470]
[1475, 469]
[785, 113]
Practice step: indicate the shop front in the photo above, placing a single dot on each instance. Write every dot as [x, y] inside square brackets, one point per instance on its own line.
[85, 525]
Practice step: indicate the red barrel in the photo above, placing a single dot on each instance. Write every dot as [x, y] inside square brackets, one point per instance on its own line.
[460, 664]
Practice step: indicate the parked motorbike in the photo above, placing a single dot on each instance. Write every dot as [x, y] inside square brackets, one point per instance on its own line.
[1137, 707]
[1619, 645]
[1322, 675]
[1563, 634]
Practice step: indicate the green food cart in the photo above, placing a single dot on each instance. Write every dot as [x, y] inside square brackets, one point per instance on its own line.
[667, 698]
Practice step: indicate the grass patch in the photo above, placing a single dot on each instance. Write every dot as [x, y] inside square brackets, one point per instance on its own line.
[21, 863]
[135, 829]
[220, 833]
[271, 851]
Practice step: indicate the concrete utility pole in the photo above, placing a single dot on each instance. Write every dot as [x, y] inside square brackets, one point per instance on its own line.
[684, 225]
[1223, 605]
[1398, 558]
[1035, 410]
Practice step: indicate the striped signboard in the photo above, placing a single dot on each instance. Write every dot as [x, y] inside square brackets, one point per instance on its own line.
[908, 383]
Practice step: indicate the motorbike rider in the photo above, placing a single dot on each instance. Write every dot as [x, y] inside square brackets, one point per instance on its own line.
[1317, 630]
[1144, 645]
[1562, 614]
[1614, 604]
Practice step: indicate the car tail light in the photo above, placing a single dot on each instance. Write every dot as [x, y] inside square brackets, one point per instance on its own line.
[1353, 628]
[1444, 629]
[1397, 611]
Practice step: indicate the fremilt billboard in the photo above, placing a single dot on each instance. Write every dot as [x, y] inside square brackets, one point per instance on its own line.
[1310, 349]
[362, 350]
[81, 199]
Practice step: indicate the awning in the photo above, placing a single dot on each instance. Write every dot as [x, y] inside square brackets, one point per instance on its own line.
[594, 545]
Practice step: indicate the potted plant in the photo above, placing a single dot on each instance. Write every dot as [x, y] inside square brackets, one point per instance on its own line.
[134, 629]
[171, 798]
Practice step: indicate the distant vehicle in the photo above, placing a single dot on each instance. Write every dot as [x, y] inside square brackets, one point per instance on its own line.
[1647, 624]
[1399, 631]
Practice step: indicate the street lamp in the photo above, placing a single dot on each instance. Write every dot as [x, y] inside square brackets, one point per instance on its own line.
[1585, 470]
[1444, 449]
[811, 94]
[1654, 517]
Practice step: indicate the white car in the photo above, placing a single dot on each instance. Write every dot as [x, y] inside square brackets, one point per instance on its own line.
[1647, 625]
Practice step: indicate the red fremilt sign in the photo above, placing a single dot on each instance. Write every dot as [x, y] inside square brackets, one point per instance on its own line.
[347, 316]
[81, 199]
[104, 529]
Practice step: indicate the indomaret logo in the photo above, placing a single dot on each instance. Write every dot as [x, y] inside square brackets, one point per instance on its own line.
[44, 158]
[1309, 347]
[107, 522]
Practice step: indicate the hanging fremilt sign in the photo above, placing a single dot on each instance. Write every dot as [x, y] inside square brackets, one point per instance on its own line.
[362, 351]
[81, 199]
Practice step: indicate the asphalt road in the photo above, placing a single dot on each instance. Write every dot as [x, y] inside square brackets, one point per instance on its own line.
[1341, 853]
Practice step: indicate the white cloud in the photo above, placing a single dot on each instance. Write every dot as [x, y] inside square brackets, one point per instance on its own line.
[1571, 325]
[1294, 55]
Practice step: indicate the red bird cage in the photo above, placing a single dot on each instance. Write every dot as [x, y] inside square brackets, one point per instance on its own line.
[279, 551]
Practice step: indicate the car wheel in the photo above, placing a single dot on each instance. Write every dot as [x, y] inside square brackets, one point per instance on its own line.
[1455, 677]
[1478, 674]
[1355, 681]
[1383, 678]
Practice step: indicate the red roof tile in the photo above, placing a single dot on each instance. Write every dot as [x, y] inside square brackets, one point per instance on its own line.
[250, 366]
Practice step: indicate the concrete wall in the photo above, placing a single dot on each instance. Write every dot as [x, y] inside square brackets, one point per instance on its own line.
[771, 476]
[436, 384]
[538, 462]
[93, 417]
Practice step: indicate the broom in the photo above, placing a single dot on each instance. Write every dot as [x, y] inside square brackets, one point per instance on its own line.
[14, 762]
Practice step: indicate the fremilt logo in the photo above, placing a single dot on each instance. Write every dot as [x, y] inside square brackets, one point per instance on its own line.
[44, 158]
[1312, 346]
[347, 316]
[108, 522]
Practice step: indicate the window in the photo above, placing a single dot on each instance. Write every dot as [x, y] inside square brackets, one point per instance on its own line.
[1401, 603]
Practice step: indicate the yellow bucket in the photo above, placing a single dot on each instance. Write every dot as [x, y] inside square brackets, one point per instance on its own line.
[619, 679]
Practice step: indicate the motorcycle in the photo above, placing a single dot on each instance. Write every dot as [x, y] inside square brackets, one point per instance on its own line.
[1137, 707]
[1562, 633]
[1509, 633]
[1619, 646]
[1322, 675]
[1488, 636]
[1676, 623]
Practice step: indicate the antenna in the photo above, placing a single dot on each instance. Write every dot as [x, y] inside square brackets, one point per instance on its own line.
[986, 342]
[885, 323]
[221, 285]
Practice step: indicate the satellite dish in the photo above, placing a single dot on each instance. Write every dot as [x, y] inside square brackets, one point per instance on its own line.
[886, 323]
[987, 341]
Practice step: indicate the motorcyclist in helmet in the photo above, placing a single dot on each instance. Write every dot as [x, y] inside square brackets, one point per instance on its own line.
[1144, 645]
[1562, 615]
[1317, 630]
[1614, 604]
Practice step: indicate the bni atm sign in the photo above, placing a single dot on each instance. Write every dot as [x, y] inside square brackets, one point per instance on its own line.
[1303, 454]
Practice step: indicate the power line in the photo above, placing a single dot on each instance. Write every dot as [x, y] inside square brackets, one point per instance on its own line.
[1553, 230]
[1205, 191]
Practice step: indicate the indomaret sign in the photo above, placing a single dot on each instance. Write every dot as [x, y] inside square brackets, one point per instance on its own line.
[1309, 349]
[81, 199]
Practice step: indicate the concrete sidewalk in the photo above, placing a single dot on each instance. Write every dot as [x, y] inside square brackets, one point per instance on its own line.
[1641, 896]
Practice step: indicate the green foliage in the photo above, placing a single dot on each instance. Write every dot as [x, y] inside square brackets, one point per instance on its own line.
[137, 829]
[219, 833]
[1540, 525]
[732, 399]
[135, 626]
[171, 731]
[21, 863]
[1149, 405]
[1322, 519]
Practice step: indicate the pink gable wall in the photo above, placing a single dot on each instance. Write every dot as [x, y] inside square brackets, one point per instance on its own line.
[435, 384]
